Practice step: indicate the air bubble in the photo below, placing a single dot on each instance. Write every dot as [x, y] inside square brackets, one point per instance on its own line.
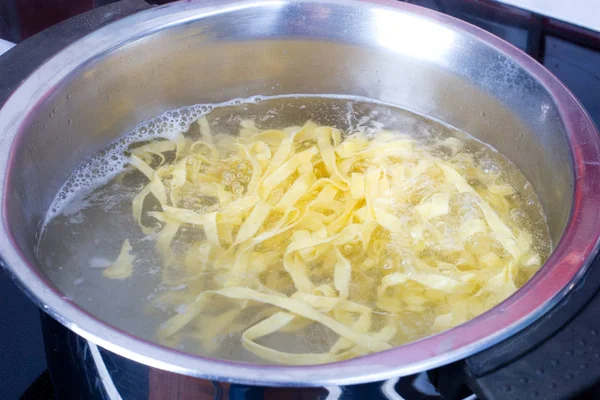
[490, 168]
[228, 177]
[237, 187]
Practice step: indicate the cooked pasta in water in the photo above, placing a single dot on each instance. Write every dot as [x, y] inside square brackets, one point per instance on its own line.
[315, 242]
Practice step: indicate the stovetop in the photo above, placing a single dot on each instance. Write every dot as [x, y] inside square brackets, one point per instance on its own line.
[570, 52]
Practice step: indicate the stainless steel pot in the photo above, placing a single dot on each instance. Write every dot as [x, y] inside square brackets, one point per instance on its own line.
[211, 51]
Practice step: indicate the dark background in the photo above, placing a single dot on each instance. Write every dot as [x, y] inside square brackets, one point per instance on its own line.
[571, 53]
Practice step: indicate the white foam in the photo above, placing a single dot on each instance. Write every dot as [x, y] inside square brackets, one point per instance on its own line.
[100, 168]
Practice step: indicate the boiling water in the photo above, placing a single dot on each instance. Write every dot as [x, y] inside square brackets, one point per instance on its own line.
[91, 216]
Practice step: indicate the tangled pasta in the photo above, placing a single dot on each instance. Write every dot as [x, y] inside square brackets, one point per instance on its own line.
[275, 231]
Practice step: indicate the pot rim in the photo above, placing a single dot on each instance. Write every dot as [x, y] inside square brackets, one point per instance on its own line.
[565, 267]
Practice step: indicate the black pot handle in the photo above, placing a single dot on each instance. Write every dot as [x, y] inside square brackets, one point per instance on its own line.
[20, 61]
[555, 358]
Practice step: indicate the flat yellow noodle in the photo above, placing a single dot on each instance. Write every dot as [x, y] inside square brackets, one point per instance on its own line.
[257, 217]
[342, 274]
[355, 234]
[503, 232]
[324, 136]
[273, 324]
[290, 305]
[296, 191]
[286, 169]
[122, 268]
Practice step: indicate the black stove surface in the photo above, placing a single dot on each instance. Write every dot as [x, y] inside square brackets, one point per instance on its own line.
[571, 53]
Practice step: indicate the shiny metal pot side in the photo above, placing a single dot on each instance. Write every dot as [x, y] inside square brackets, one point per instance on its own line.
[216, 50]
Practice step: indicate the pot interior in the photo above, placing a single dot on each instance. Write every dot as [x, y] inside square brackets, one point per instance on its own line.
[397, 58]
